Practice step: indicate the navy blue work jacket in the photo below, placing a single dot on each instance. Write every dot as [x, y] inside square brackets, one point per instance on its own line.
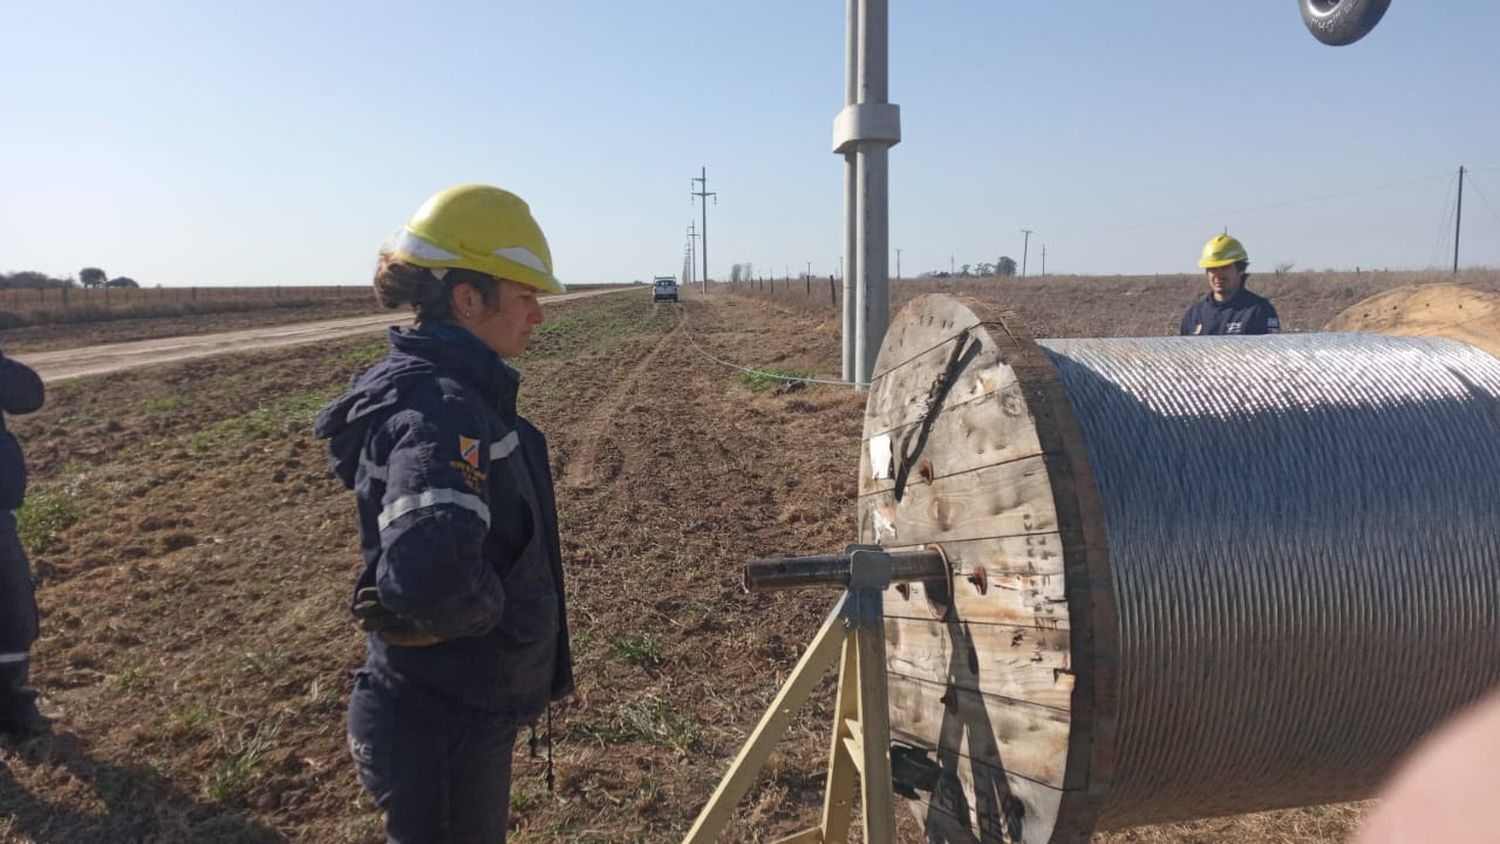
[20, 392]
[458, 523]
[1244, 313]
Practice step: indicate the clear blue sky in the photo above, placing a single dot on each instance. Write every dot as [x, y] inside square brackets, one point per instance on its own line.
[273, 142]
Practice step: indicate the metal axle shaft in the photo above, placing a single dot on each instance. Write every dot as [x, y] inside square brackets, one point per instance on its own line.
[776, 573]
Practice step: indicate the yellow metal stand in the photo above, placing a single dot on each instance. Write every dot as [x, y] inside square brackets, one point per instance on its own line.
[861, 743]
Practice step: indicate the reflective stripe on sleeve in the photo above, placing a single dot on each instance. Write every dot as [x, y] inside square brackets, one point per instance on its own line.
[8, 658]
[374, 471]
[432, 498]
[503, 448]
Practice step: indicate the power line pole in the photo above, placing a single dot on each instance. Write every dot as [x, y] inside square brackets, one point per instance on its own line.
[703, 193]
[1044, 260]
[863, 133]
[692, 253]
[1024, 244]
[950, 265]
[898, 263]
[1458, 217]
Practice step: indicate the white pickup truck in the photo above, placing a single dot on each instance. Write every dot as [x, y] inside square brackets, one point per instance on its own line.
[664, 287]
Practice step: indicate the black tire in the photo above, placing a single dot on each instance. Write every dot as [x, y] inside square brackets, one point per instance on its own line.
[1340, 22]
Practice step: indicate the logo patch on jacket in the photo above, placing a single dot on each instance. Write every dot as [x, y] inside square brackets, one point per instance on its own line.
[469, 449]
[469, 466]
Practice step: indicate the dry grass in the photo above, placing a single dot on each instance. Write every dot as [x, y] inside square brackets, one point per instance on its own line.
[1127, 306]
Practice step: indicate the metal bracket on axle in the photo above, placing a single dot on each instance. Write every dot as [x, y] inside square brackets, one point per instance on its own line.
[861, 745]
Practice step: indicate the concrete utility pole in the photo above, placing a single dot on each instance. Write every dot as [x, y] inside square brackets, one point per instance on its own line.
[703, 193]
[1458, 217]
[898, 264]
[692, 253]
[1024, 244]
[1044, 260]
[863, 133]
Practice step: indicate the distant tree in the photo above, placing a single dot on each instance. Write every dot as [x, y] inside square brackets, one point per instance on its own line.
[1006, 266]
[28, 278]
[92, 276]
[1286, 267]
[963, 269]
[122, 281]
[984, 269]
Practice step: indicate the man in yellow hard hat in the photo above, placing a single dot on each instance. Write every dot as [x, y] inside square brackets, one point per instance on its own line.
[461, 592]
[1228, 308]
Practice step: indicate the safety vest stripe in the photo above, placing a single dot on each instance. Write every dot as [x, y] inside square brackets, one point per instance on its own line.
[374, 471]
[503, 448]
[433, 498]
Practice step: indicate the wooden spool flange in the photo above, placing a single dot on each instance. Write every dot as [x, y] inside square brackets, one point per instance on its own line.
[999, 678]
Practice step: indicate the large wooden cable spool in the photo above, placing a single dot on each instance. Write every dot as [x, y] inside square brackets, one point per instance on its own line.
[1140, 629]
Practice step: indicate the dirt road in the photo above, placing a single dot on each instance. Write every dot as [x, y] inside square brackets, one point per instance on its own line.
[98, 360]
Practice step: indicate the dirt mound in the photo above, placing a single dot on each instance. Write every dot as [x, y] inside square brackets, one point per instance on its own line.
[1453, 311]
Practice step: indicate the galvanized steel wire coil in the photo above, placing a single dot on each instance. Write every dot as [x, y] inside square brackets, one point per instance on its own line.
[1304, 542]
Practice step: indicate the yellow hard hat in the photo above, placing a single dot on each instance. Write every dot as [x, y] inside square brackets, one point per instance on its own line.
[480, 228]
[1221, 251]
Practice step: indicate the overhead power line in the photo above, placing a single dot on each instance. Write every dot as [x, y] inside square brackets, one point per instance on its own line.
[1266, 207]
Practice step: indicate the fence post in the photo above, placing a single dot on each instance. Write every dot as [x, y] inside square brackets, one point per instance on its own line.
[809, 285]
[833, 295]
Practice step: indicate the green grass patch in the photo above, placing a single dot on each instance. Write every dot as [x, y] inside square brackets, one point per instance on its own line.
[63, 389]
[188, 722]
[276, 418]
[163, 405]
[46, 513]
[234, 774]
[259, 662]
[653, 720]
[362, 355]
[595, 325]
[132, 678]
[758, 381]
[644, 649]
[526, 795]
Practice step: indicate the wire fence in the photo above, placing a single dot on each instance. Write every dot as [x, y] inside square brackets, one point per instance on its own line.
[47, 298]
[28, 306]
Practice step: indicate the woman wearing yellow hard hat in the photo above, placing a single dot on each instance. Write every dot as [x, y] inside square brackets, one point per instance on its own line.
[461, 594]
[1228, 308]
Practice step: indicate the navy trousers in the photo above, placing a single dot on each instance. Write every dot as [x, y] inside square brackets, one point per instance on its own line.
[18, 627]
[441, 774]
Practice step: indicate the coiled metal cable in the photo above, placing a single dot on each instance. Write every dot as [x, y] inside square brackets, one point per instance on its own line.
[1304, 536]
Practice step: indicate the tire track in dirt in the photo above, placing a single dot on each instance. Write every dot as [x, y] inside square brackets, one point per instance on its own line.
[672, 473]
[586, 468]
